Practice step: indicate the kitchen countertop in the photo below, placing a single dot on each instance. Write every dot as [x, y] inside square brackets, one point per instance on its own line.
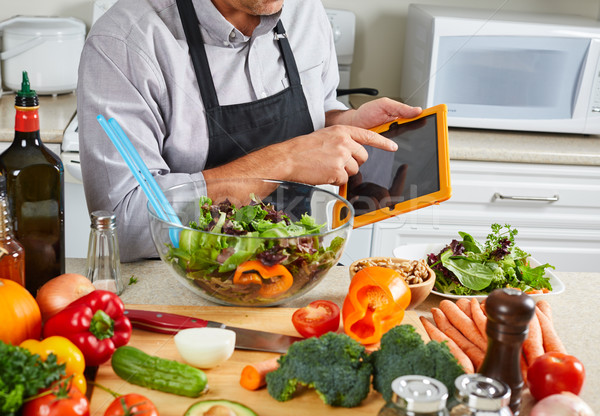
[574, 310]
[465, 144]
[55, 114]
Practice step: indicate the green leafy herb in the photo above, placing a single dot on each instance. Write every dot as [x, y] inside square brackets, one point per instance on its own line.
[22, 374]
[132, 280]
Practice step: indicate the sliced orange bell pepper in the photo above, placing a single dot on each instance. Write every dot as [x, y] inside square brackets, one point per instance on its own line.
[66, 352]
[375, 303]
[273, 280]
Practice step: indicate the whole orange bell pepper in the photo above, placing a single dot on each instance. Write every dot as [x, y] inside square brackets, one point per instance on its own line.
[273, 280]
[66, 353]
[375, 303]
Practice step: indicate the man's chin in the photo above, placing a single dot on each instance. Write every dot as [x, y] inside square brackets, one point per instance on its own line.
[269, 8]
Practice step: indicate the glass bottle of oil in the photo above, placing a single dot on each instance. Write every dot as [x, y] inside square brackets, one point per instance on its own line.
[12, 254]
[35, 190]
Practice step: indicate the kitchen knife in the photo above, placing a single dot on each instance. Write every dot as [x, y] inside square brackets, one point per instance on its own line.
[245, 339]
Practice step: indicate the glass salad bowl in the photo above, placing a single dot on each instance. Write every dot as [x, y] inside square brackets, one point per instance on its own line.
[251, 242]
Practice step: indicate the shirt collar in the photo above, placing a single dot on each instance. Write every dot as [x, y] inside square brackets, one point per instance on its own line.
[221, 30]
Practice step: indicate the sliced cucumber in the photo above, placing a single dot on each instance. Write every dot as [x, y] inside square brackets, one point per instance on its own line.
[206, 407]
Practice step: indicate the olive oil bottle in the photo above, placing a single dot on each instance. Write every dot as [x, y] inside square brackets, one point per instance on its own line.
[35, 190]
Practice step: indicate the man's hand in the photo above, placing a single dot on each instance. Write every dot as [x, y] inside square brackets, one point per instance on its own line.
[372, 114]
[326, 156]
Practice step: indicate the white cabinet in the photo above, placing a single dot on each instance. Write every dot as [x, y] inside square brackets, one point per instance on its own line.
[556, 209]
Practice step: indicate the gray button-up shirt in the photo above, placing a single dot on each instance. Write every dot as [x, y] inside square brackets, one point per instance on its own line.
[136, 68]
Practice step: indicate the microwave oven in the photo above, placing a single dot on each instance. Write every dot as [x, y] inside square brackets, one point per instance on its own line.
[504, 70]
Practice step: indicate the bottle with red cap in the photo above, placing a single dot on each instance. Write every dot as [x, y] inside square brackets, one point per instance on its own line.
[35, 190]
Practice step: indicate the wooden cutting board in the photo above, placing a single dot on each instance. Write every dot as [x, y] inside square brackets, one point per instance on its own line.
[223, 380]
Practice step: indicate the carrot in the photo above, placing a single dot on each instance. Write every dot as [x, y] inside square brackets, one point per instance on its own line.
[463, 323]
[253, 376]
[465, 306]
[545, 308]
[478, 317]
[550, 338]
[533, 346]
[475, 353]
[524, 369]
[436, 335]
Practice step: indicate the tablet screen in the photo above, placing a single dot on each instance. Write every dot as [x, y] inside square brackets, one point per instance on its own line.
[388, 178]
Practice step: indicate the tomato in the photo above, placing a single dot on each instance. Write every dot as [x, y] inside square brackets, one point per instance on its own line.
[316, 319]
[131, 404]
[63, 400]
[553, 373]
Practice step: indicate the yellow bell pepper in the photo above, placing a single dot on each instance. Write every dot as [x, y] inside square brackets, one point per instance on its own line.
[66, 352]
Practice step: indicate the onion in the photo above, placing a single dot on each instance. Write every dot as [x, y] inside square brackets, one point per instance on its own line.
[205, 347]
[60, 291]
[563, 404]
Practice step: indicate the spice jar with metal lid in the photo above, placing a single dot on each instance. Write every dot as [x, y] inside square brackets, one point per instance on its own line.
[103, 260]
[416, 395]
[478, 395]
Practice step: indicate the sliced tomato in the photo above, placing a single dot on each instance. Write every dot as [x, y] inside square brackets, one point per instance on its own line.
[316, 319]
[131, 404]
[63, 400]
[553, 373]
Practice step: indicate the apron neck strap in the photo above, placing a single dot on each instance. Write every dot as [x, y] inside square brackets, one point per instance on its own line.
[288, 55]
[191, 29]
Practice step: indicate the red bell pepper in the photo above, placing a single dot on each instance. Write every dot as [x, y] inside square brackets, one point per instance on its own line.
[95, 323]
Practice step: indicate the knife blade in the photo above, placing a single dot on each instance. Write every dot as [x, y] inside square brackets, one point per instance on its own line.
[245, 339]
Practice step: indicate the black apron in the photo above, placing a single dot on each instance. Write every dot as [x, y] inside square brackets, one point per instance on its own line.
[236, 130]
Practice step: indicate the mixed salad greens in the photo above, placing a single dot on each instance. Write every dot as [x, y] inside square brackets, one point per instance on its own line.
[257, 231]
[470, 268]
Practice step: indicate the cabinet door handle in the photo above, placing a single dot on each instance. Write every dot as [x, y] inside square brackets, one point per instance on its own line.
[498, 195]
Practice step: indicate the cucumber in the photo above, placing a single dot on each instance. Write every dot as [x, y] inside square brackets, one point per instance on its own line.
[170, 376]
[207, 406]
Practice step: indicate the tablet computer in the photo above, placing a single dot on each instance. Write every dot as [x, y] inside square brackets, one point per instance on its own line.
[415, 176]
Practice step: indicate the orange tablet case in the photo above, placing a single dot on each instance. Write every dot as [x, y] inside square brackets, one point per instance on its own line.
[443, 167]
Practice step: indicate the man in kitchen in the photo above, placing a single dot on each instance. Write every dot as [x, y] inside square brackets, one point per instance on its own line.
[216, 88]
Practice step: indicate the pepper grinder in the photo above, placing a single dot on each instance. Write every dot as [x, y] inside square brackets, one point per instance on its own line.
[103, 261]
[509, 312]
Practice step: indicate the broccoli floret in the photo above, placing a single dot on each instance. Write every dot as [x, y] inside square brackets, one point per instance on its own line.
[403, 352]
[335, 365]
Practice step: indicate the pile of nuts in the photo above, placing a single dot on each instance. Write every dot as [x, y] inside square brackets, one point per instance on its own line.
[412, 271]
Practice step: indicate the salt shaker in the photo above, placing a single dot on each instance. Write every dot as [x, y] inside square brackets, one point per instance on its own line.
[416, 395]
[478, 395]
[103, 262]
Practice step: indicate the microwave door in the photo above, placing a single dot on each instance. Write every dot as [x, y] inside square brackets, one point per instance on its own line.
[508, 77]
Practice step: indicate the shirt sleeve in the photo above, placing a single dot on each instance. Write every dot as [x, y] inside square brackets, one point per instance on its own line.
[118, 82]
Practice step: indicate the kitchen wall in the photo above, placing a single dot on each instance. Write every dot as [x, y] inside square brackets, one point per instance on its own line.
[380, 28]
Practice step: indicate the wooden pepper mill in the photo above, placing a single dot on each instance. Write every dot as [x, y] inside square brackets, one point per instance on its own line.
[509, 312]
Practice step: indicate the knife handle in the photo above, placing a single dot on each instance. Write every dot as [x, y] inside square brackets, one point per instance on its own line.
[162, 322]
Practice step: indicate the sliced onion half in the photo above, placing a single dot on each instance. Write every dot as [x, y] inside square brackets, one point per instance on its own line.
[205, 347]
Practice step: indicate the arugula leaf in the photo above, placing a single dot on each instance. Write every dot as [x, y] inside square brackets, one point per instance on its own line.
[470, 244]
[472, 274]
